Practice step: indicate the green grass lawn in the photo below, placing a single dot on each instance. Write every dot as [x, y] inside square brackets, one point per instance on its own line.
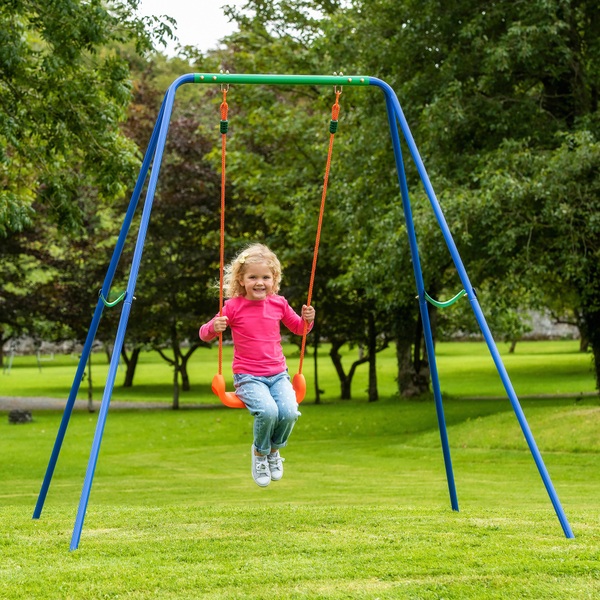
[466, 369]
[362, 512]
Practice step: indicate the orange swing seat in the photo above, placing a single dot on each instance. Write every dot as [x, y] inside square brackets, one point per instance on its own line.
[231, 400]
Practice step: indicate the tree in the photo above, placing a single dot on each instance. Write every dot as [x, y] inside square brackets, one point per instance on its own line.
[23, 273]
[175, 291]
[502, 98]
[285, 173]
[368, 239]
[51, 282]
[485, 87]
[549, 202]
[64, 91]
[519, 138]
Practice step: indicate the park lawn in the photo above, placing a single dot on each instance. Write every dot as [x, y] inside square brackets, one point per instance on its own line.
[465, 368]
[362, 512]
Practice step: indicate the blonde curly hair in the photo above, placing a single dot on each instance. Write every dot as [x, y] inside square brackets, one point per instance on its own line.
[252, 255]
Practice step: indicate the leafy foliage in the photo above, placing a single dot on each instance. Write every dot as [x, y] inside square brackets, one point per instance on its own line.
[502, 99]
[64, 89]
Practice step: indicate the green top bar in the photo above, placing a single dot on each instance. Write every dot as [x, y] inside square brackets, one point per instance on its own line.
[281, 79]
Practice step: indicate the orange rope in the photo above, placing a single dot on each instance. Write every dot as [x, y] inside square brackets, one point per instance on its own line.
[224, 109]
[335, 111]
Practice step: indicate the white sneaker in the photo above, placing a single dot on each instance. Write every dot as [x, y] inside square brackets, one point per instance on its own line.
[275, 465]
[260, 469]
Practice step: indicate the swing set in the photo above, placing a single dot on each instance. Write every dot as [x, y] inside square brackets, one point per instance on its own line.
[153, 158]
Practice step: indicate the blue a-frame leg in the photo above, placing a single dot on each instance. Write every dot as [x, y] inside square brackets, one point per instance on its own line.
[427, 333]
[163, 127]
[394, 109]
[154, 156]
[87, 347]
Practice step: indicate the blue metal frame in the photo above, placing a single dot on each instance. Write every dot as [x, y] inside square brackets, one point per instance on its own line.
[87, 347]
[427, 333]
[392, 100]
[153, 157]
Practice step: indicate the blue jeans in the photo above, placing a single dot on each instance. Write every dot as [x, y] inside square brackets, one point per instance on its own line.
[272, 402]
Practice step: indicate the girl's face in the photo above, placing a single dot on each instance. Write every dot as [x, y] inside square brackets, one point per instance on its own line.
[257, 280]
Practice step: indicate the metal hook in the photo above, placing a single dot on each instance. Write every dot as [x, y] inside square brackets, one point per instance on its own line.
[224, 86]
[337, 89]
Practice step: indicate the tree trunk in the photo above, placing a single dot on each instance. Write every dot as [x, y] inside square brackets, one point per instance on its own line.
[592, 330]
[130, 365]
[177, 365]
[373, 391]
[185, 358]
[316, 363]
[3, 341]
[413, 367]
[175, 388]
[345, 381]
[596, 354]
[185, 378]
[422, 374]
[405, 366]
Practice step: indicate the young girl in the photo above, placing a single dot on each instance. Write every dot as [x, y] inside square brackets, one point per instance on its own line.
[254, 311]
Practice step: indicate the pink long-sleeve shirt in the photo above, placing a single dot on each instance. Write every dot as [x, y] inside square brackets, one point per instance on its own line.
[256, 334]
